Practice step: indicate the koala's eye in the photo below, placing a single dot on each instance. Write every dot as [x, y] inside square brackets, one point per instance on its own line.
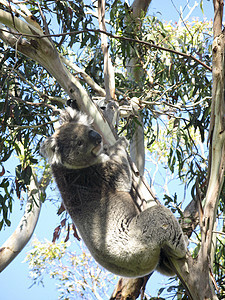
[80, 143]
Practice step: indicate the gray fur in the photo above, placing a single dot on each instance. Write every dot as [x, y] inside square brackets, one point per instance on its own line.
[95, 187]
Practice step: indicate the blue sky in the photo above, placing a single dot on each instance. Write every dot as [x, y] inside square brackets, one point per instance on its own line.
[14, 282]
[168, 9]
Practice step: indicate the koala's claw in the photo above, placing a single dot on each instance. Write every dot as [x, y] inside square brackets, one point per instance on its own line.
[106, 148]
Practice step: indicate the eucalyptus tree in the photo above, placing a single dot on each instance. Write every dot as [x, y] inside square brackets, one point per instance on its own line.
[156, 78]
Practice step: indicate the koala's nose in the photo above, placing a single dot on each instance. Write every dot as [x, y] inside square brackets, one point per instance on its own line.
[95, 137]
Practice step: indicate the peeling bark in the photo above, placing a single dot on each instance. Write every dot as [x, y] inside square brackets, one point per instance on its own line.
[129, 288]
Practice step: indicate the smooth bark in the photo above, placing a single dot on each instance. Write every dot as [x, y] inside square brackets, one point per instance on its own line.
[21, 236]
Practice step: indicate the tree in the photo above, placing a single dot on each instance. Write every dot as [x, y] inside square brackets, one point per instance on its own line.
[174, 87]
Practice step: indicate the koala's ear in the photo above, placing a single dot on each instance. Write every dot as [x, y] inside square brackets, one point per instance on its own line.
[48, 149]
[72, 115]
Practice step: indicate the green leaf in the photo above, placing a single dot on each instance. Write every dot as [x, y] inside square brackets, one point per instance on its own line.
[201, 6]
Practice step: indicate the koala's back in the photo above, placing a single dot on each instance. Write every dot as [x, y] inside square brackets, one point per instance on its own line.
[101, 214]
[120, 238]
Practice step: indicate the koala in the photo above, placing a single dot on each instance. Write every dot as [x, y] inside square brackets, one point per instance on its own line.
[95, 185]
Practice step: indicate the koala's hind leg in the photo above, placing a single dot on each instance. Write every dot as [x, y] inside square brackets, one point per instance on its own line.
[156, 227]
[156, 230]
[176, 245]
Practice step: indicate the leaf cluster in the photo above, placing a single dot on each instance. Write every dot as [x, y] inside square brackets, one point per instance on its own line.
[76, 273]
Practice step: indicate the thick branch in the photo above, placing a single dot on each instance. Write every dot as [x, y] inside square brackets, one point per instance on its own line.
[198, 271]
[46, 54]
[217, 134]
[85, 76]
[218, 17]
[140, 7]
[108, 67]
[21, 236]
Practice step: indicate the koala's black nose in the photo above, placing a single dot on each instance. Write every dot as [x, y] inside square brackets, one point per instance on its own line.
[95, 137]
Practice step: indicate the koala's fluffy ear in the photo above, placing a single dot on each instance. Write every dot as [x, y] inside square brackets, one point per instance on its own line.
[48, 150]
[72, 115]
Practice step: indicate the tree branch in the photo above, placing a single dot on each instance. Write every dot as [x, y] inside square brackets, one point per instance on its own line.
[21, 236]
[216, 136]
[46, 54]
[109, 77]
[119, 37]
[85, 76]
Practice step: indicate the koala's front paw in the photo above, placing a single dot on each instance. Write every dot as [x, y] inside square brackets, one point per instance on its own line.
[122, 141]
[119, 147]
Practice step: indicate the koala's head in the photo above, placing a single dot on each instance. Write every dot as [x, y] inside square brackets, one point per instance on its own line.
[75, 144]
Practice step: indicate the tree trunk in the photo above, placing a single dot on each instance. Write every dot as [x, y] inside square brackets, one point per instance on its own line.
[197, 273]
[135, 72]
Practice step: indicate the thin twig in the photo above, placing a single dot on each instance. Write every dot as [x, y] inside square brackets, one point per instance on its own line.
[147, 44]
[17, 127]
[34, 104]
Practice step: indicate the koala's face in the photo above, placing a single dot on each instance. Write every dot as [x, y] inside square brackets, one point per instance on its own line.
[74, 146]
